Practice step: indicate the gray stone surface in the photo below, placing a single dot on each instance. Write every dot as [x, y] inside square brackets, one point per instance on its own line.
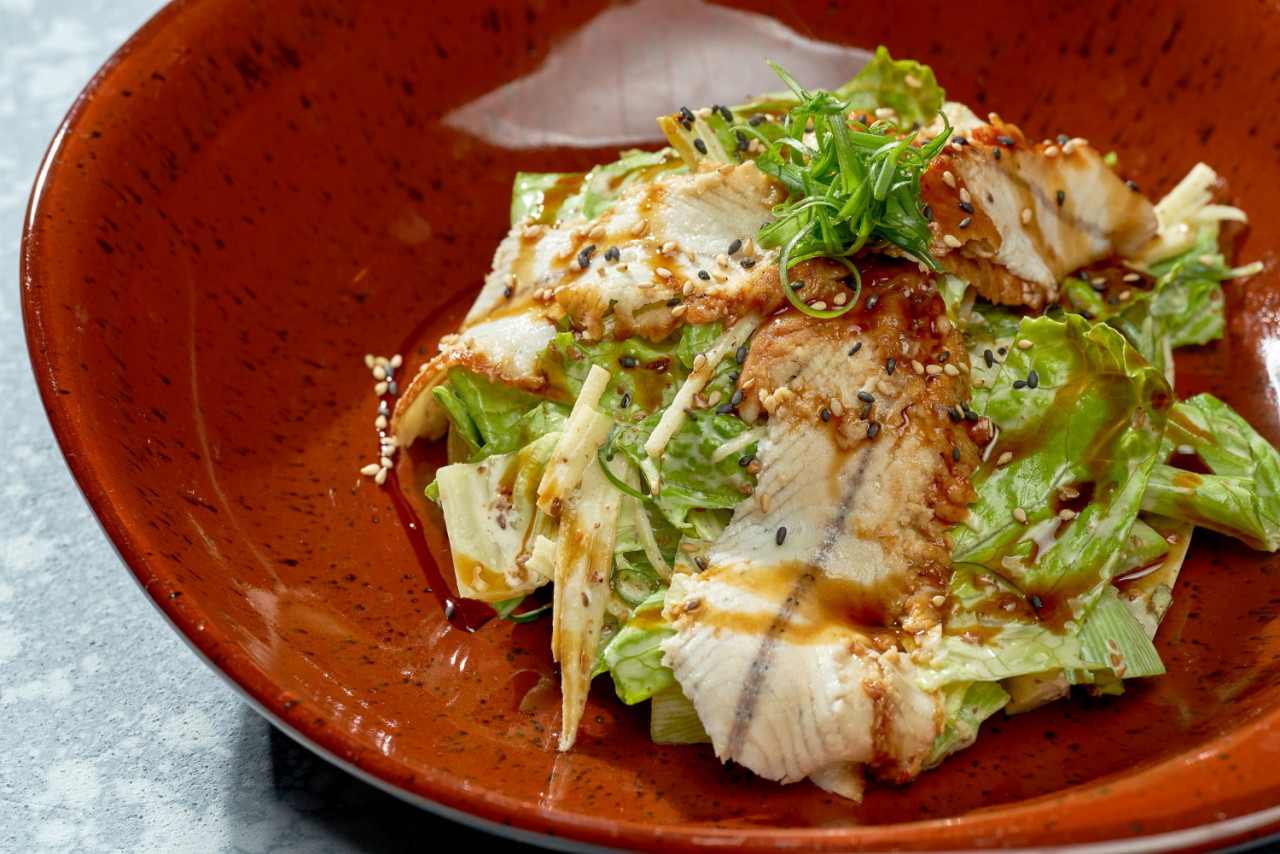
[113, 734]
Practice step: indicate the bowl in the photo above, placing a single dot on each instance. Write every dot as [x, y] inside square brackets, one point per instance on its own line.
[249, 197]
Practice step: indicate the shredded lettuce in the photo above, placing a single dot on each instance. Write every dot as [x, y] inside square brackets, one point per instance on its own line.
[633, 656]
[549, 197]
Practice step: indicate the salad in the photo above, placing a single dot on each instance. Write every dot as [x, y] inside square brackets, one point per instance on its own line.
[840, 424]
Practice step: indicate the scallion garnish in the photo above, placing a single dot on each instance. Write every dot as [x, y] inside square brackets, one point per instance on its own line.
[851, 186]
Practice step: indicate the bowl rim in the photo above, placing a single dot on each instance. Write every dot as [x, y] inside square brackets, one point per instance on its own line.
[514, 818]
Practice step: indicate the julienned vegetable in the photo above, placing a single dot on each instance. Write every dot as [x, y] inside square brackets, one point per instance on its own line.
[736, 450]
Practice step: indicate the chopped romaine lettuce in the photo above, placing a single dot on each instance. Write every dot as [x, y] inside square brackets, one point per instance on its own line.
[905, 86]
[549, 197]
[633, 656]
[1240, 496]
[967, 707]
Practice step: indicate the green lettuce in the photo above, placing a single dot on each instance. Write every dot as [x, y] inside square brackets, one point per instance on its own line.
[493, 418]
[1240, 496]
[905, 86]
[549, 197]
[1083, 439]
[633, 656]
[967, 707]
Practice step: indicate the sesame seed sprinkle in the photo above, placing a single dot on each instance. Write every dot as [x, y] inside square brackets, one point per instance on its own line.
[866, 397]
[1020, 515]
[890, 364]
[1005, 458]
[855, 348]
[1024, 344]
[873, 429]
[381, 477]
[1033, 379]
[370, 470]
[825, 414]
[964, 223]
[1061, 196]
[781, 536]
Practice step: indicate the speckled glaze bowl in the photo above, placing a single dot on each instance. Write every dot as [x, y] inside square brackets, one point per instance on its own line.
[250, 196]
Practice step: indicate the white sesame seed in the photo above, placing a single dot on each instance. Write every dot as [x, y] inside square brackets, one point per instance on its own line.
[645, 284]
[979, 382]
[765, 500]
[949, 179]
[397, 360]
[1066, 514]
[640, 228]
[370, 470]
[1005, 458]
[912, 81]
[368, 361]
[719, 276]
[596, 232]
[749, 247]
[670, 247]
[380, 422]
[386, 462]
[715, 398]
[1024, 344]
[951, 370]
[722, 259]
[1020, 515]
[380, 388]
[622, 268]
[690, 256]
[1186, 450]
[938, 601]
[381, 477]
[964, 195]
[688, 289]
[1051, 151]
[1131, 277]
[841, 299]
[1069, 148]
[1207, 260]
[575, 266]
[819, 306]
[1125, 294]
[678, 311]
[509, 280]
[1026, 216]
[951, 240]
[379, 372]
[531, 232]
[836, 407]
[933, 370]
[662, 273]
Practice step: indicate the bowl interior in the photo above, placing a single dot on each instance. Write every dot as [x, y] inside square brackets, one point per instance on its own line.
[254, 196]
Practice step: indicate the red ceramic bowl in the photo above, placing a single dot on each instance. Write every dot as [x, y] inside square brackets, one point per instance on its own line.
[251, 196]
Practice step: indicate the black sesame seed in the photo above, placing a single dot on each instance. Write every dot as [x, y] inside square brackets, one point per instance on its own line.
[1086, 314]
[1019, 384]
[865, 411]
[741, 137]
[1036, 601]
[946, 354]
[964, 406]
[724, 112]
[997, 153]
[748, 263]
[693, 416]
[928, 213]
[1132, 186]
[797, 284]
[873, 429]
[733, 376]
[955, 455]
[1005, 140]
[628, 361]
[781, 536]
[625, 403]
[584, 257]
[382, 408]
[1033, 380]
[612, 254]
[1063, 139]
[989, 357]
[507, 292]
[1114, 300]
[872, 302]
[741, 355]
[1002, 351]
[687, 113]
[825, 414]
[966, 207]
[746, 460]
[737, 398]
[756, 121]
[735, 246]
[700, 145]
[971, 416]
[1098, 285]
[959, 140]
[964, 223]
[704, 275]
[890, 365]
[724, 409]
[855, 348]
[1062, 197]
[700, 562]
[866, 397]
[955, 413]
[674, 301]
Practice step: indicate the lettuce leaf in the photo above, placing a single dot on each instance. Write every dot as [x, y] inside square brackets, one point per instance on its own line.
[498, 418]
[967, 707]
[1084, 439]
[1240, 496]
[633, 656]
[885, 82]
[549, 197]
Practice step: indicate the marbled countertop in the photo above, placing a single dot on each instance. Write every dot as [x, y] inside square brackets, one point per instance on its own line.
[114, 736]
